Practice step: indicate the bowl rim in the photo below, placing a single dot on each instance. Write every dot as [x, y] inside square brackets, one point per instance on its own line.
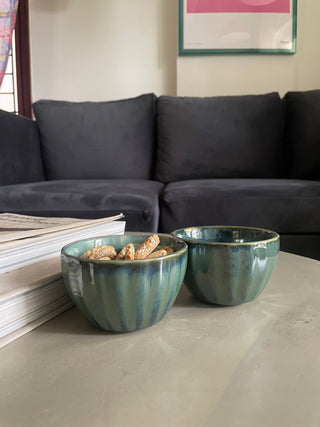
[274, 234]
[123, 261]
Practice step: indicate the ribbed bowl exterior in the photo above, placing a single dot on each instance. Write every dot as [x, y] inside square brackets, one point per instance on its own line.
[124, 296]
[229, 274]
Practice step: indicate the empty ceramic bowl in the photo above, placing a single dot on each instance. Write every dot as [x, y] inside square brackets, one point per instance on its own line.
[124, 295]
[229, 265]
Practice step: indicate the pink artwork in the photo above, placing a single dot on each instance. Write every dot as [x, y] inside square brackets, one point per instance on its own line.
[8, 14]
[238, 6]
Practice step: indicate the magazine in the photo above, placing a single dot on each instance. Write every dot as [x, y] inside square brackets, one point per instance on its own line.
[32, 290]
[26, 246]
[15, 226]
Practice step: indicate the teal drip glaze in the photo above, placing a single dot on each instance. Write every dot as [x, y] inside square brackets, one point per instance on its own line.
[141, 303]
[124, 295]
[151, 293]
[229, 265]
[175, 271]
[106, 313]
[182, 273]
[164, 293]
[158, 296]
[132, 300]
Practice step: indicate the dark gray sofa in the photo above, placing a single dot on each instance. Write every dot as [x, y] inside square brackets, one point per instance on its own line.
[171, 162]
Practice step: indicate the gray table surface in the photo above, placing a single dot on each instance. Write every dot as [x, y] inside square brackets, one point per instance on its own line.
[257, 364]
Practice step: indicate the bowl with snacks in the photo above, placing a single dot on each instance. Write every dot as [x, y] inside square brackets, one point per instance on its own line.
[126, 282]
[228, 265]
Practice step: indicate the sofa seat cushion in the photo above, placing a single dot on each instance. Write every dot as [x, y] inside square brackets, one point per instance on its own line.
[97, 140]
[307, 245]
[219, 137]
[136, 199]
[285, 206]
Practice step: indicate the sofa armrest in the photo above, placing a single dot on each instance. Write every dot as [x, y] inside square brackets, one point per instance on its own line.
[20, 156]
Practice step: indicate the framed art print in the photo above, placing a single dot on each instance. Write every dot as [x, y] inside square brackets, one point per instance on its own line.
[237, 26]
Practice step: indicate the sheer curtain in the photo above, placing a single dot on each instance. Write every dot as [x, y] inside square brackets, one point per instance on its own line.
[8, 14]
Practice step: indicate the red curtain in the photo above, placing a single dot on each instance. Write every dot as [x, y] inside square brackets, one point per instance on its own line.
[8, 14]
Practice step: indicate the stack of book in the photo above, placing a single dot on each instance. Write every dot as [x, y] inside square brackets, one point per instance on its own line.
[31, 285]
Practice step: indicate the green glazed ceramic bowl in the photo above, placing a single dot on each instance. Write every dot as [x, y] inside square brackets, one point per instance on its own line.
[121, 295]
[229, 265]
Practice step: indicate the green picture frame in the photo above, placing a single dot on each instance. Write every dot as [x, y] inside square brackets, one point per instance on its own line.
[187, 21]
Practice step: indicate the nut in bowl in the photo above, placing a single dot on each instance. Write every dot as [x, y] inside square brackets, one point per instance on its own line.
[124, 294]
[229, 265]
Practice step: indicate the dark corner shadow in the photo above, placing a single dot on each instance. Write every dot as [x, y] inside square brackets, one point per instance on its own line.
[185, 299]
[71, 322]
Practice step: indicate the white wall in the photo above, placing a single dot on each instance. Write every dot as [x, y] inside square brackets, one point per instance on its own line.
[102, 49]
[249, 74]
[112, 49]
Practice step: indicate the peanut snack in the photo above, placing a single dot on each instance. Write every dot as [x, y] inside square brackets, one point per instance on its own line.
[123, 251]
[129, 252]
[100, 251]
[147, 247]
[160, 252]
[168, 250]
[146, 250]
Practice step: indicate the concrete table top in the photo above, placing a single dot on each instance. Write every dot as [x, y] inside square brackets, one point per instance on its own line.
[256, 364]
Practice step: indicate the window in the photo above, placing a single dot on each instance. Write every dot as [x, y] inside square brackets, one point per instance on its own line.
[8, 88]
[15, 91]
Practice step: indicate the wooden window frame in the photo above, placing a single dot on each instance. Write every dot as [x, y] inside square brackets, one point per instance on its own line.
[22, 45]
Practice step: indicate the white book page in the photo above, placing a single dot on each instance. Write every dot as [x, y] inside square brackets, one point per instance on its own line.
[14, 226]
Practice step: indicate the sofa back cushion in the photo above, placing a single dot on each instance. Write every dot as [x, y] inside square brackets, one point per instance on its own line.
[302, 134]
[219, 137]
[113, 139]
[20, 159]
